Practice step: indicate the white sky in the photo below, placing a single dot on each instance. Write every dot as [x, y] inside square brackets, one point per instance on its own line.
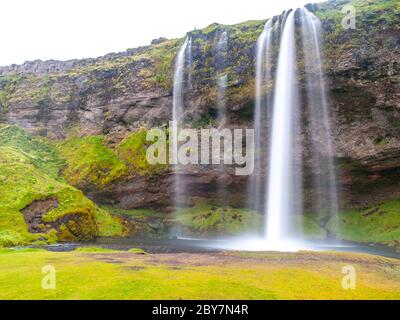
[68, 29]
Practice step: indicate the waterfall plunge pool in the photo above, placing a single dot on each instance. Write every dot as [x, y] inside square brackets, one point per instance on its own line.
[192, 245]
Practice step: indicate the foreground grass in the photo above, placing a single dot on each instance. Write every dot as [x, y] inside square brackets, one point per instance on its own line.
[128, 275]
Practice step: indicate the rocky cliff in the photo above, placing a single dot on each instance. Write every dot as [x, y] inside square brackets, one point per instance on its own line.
[104, 104]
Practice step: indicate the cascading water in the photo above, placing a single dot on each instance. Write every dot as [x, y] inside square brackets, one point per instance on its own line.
[276, 188]
[221, 81]
[318, 119]
[222, 78]
[179, 77]
[177, 113]
[283, 196]
[263, 98]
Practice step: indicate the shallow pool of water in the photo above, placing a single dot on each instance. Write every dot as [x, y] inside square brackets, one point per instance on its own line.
[203, 245]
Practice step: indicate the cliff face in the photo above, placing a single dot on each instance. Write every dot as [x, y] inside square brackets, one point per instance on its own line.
[119, 93]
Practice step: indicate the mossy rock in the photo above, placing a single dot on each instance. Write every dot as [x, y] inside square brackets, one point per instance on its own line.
[109, 225]
[89, 162]
[132, 150]
[379, 224]
[28, 173]
[206, 220]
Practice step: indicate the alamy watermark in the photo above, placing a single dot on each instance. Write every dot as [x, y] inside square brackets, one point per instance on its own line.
[49, 278]
[349, 21]
[349, 278]
[180, 146]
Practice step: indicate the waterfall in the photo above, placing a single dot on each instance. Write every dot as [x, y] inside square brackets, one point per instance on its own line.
[221, 82]
[281, 196]
[177, 113]
[262, 103]
[318, 119]
[222, 78]
[189, 62]
[179, 77]
[276, 187]
[283, 191]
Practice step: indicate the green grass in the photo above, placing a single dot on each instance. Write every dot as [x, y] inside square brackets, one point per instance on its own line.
[118, 275]
[21, 184]
[132, 150]
[109, 225]
[17, 145]
[379, 224]
[206, 219]
[89, 162]
[28, 172]
[311, 228]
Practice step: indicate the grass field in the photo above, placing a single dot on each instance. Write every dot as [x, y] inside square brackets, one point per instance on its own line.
[94, 274]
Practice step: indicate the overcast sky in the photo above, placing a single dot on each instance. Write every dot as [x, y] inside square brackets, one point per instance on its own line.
[67, 29]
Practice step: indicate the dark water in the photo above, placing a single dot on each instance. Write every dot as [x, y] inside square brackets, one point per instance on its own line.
[201, 245]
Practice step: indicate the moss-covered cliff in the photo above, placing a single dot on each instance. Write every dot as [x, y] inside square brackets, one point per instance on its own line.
[89, 118]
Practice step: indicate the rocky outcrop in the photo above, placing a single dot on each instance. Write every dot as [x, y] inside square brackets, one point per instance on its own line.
[70, 227]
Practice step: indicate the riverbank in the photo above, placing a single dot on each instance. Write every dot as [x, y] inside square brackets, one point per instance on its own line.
[106, 274]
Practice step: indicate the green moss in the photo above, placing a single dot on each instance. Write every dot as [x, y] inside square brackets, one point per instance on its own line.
[133, 150]
[311, 228]
[371, 17]
[163, 56]
[8, 85]
[24, 148]
[22, 184]
[89, 162]
[108, 225]
[205, 219]
[379, 141]
[379, 224]
[28, 172]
